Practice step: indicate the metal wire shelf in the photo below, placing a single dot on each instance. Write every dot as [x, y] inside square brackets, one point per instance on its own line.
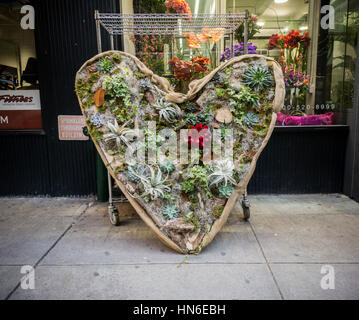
[169, 24]
[117, 24]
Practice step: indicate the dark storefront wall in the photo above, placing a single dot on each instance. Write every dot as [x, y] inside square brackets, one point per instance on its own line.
[296, 160]
[41, 164]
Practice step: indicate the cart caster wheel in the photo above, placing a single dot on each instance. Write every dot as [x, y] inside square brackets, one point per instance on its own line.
[114, 216]
[246, 211]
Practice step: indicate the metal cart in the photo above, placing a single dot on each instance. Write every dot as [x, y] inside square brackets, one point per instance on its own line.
[117, 24]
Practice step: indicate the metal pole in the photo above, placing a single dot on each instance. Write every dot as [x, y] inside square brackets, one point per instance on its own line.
[246, 32]
[98, 32]
[109, 181]
[111, 42]
[231, 43]
[101, 170]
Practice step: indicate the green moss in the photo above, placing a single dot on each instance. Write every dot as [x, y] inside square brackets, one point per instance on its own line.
[139, 75]
[95, 133]
[193, 219]
[116, 58]
[217, 212]
[83, 90]
[105, 65]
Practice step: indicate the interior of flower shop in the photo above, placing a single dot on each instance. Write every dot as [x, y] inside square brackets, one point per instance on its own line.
[315, 144]
[316, 44]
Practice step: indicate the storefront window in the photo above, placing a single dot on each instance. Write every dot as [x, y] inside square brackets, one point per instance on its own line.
[336, 57]
[20, 107]
[318, 63]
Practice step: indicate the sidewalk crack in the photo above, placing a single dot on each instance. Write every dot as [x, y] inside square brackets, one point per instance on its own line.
[267, 262]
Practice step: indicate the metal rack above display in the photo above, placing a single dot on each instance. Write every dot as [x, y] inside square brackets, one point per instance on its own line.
[170, 24]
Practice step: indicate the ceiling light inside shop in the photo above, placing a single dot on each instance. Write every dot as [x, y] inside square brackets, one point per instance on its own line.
[260, 23]
[303, 28]
[280, 1]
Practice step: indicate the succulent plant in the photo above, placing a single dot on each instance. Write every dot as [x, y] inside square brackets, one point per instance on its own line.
[251, 119]
[105, 65]
[216, 78]
[167, 166]
[225, 191]
[98, 120]
[203, 117]
[152, 181]
[167, 110]
[170, 212]
[258, 78]
[116, 86]
[145, 84]
[243, 95]
[121, 135]
[221, 172]
[191, 107]
[195, 178]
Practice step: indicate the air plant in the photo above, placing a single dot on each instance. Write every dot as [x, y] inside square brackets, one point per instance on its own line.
[225, 191]
[221, 173]
[133, 173]
[251, 119]
[120, 135]
[258, 78]
[170, 212]
[167, 166]
[153, 182]
[168, 111]
[145, 84]
[105, 65]
[98, 120]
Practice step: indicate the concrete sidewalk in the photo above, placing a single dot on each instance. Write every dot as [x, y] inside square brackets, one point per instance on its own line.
[278, 254]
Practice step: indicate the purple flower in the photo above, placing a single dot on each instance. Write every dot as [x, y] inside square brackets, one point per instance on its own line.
[238, 49]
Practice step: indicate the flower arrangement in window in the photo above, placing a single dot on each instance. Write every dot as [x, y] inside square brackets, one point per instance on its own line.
[178, 6]
[238, 49]
[253, 28]
[293, 49]
[204, 42]
[186, 71]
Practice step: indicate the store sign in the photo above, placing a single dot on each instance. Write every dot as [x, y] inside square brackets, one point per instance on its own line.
[70, 127]
[20, 109]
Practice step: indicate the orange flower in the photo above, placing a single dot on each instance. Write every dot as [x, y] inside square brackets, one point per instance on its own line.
[202, 37]
[213, 33]
[192, 40]
[306, 81]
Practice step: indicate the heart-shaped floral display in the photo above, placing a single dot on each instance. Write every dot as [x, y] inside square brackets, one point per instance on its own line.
[182, 160]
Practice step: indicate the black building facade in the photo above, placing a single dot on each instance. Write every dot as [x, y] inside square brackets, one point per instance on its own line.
[296, 160]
